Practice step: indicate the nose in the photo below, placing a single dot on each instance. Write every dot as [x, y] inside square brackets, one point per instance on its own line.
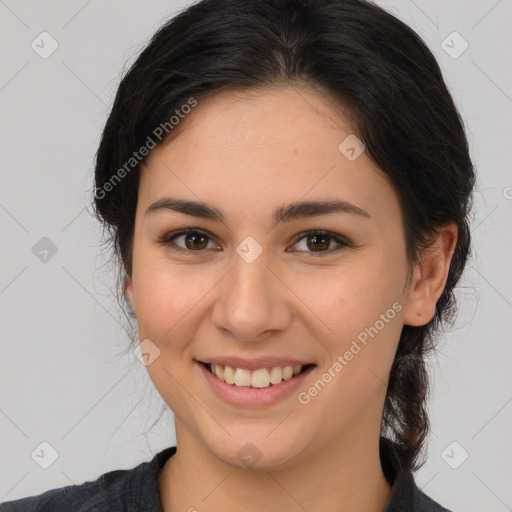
[252, 302]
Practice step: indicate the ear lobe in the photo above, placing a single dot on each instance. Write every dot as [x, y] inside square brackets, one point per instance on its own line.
[429, 278]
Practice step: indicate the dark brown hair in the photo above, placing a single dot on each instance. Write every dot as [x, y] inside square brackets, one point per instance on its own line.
[376, 68]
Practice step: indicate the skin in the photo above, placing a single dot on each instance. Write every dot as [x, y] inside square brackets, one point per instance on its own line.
[247, 154]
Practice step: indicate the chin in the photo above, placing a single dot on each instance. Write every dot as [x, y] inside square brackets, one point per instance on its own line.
[258, 452]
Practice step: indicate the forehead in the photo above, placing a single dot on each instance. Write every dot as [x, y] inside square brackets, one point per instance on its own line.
[265, 146]
[271, 115]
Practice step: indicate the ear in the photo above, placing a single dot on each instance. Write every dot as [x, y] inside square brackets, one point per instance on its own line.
[429, 277]
[128, 292]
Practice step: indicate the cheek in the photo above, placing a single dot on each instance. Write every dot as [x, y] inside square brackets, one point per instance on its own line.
[363, 313]
[349, 300]
[362, 310]
[168, 302]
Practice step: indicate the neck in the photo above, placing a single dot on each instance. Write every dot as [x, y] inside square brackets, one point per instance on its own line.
[333, 476]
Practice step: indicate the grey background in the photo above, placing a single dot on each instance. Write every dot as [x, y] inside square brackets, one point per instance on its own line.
[62, 378]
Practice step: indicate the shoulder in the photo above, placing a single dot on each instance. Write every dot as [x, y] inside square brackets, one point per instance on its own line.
[405, 494]
[92, 495]
[427, 504]
[116, 491]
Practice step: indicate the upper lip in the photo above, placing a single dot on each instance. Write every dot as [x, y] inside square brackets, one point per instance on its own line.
[254, 364]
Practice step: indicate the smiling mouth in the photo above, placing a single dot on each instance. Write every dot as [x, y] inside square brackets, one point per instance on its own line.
[260, 378]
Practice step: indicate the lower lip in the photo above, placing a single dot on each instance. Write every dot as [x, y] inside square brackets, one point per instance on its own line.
[254, 397]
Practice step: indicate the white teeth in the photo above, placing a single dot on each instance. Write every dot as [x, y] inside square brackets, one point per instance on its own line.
[229, 375]
[242, 377]
[288, 372]
[219, 371]
[276, 375]
[261, 378]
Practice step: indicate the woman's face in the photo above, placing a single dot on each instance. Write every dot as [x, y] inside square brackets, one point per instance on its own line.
[253, 291]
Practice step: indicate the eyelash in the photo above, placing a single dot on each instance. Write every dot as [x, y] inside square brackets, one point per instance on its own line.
[169, 239]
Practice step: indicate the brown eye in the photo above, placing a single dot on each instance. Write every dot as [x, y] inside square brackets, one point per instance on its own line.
[195, 241]
[188, 240]
[320, 243]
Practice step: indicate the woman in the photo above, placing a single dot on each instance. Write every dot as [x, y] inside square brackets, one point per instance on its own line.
[287, 186]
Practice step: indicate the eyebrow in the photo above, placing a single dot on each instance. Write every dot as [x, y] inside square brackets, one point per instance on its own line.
[288, 213]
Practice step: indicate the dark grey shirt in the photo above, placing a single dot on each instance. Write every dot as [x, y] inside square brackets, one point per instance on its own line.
[136, 489]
